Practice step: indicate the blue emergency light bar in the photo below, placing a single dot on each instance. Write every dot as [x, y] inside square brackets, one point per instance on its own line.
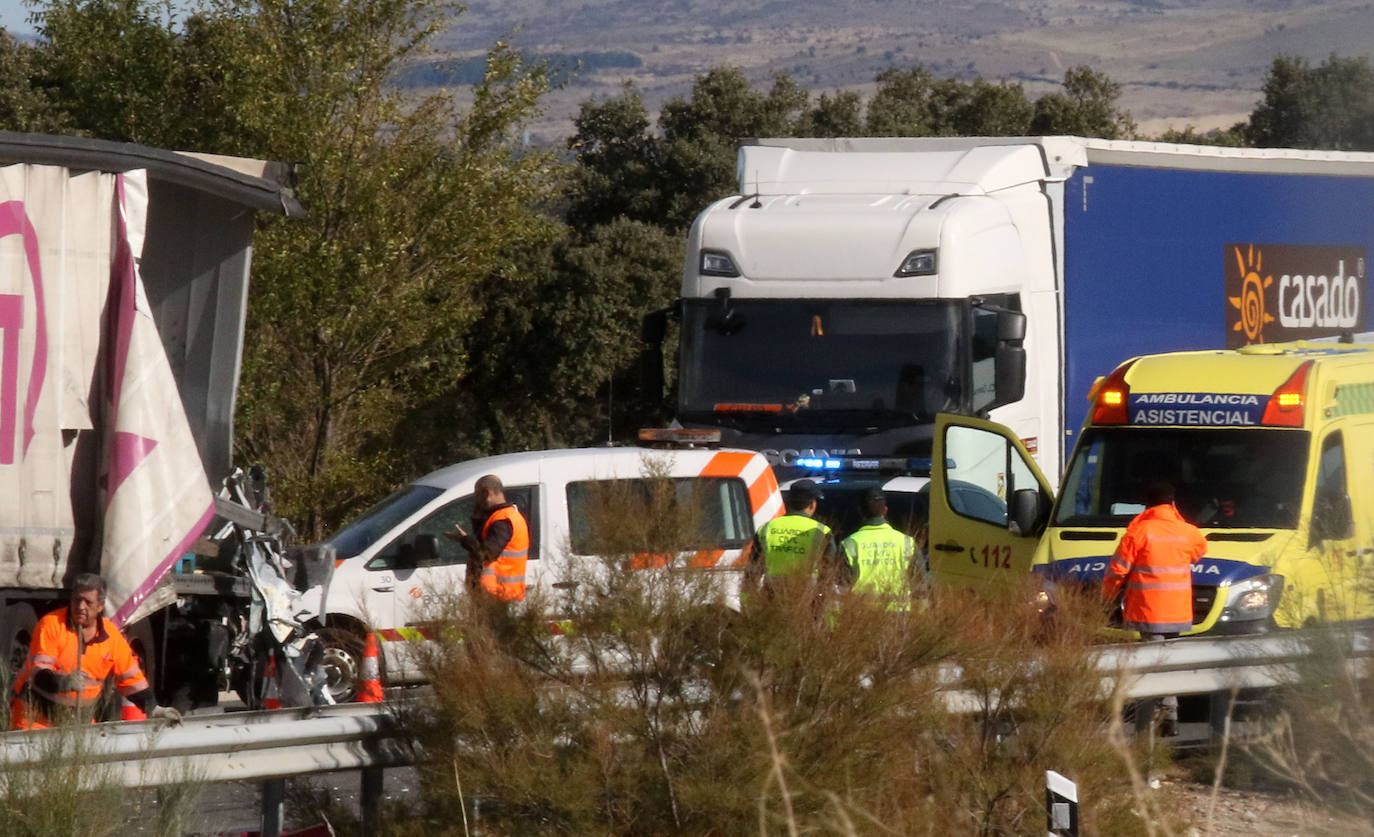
[918, 465]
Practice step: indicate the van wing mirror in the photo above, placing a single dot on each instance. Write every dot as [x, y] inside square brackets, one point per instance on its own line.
[426, 549]
[1332, 518]
[1025, 517]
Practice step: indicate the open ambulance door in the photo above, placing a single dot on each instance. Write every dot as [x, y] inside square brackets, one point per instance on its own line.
[988, 503]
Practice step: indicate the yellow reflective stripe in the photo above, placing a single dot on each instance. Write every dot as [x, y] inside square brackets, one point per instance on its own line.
[510, 579]
[514, 553]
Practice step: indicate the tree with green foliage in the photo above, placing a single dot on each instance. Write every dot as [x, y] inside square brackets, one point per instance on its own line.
[364, 308]
[835, 115]
[1328, 106]
[553, 363]
[367, 307]
[616, 172]
[1086, 107]
[913, 103]
[1233, 137]
[700, 135]
[25, 106]
[120, 71]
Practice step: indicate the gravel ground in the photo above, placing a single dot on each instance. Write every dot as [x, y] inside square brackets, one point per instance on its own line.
[1238, 813]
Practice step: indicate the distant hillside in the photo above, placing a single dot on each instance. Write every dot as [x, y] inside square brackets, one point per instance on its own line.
[1200, 62]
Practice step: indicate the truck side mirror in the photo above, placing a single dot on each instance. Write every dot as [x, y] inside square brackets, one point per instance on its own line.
[1332, 518]
[1024, 516]
[651, 331]
[1009, 377]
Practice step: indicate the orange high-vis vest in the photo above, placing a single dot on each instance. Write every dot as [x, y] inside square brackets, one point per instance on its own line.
[54, 647]
[504, 577]
[1155, 564]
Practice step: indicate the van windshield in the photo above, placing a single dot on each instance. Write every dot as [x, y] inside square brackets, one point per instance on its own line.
[1222, 478]
[381, 519]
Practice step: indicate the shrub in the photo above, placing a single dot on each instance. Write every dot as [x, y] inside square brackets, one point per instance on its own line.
[640, 702]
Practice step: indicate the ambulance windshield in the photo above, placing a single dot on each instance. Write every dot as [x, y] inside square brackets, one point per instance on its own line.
[1222, 478]
[818, 364]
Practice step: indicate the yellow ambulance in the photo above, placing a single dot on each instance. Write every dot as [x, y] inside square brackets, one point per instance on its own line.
[1270, 449]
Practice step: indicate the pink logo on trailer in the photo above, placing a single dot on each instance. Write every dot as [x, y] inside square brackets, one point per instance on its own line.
[15, 221]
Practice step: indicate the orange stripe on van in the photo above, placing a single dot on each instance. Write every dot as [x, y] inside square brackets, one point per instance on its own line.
[763, 488]
[647, 561]
[727, 464]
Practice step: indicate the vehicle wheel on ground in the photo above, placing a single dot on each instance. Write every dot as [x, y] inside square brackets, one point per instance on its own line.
[16, 631]
[342, 663]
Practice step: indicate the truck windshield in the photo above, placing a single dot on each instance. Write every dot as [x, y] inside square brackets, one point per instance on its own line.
[819, 363]
[381, 519]
[1222, 478]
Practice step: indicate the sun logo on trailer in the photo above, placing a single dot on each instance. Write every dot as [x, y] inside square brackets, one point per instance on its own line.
[1250, 303]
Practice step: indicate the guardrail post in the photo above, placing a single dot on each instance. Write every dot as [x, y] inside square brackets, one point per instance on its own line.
[273, 806]
[370, 800]
[1061, 805]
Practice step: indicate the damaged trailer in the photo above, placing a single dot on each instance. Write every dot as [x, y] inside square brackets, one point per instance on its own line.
[123, 293]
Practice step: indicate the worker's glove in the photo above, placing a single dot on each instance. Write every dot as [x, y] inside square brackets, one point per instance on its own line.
[168, 714]
[73, 681]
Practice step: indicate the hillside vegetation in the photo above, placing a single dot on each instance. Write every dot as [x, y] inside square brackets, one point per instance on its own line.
[1179, 62]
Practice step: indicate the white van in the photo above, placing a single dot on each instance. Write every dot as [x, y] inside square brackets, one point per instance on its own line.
[394, 561]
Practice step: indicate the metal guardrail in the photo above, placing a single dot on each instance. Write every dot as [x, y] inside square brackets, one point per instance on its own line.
[271, 745]
[1202, 665]
[230, 746]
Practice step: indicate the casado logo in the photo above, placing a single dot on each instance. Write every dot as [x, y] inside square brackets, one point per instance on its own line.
[1250, 302]
[1279, 292]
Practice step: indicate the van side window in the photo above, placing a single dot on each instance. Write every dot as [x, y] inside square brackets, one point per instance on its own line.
[1331, 517]
[658, 516]
[400, 553]
[978, 483]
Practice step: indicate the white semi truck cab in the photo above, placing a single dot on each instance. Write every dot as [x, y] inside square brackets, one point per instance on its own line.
[843, 299]
[854, 288]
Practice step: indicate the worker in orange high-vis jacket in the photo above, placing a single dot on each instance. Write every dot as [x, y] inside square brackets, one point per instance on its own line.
[1154, 564]
[498, 551]
[73, 651]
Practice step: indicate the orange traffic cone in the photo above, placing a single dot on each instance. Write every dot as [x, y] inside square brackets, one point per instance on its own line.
[370, 678]
[270, 697]
[130, 712]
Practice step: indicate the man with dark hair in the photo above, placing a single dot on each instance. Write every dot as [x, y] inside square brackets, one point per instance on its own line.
[882, 560]
[74, 649]
[497, 555]
[1154, 565]
[795, 543]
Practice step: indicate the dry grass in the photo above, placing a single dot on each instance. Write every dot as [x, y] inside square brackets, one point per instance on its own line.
[1320, 741]
[661, 711]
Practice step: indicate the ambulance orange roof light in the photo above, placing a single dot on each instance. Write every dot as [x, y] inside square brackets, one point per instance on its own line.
[1285, 407]
[1112, 395]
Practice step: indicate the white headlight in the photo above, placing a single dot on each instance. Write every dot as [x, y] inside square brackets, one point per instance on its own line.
[1253, 598]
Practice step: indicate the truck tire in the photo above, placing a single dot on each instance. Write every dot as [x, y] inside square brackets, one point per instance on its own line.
[16, 630]
[140, 638]
[343, 661]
